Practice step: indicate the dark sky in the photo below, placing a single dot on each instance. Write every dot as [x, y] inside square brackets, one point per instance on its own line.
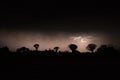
[68, 17]
[29, 13]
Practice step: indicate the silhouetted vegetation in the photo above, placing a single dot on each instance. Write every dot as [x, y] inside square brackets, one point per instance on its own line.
[73, 47]
[56, 49]
[24, 58]
[91, 47]
[36, 46]
[23, 49]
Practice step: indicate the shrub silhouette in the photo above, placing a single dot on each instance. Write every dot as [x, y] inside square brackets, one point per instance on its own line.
[23, 49]
[56, 48]
[91, 47]
[73, 47]
[36, 46]
[4, 49]
[104, 49]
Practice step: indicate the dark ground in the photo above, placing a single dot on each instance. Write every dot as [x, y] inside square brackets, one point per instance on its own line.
[48, 61]
[33, 64]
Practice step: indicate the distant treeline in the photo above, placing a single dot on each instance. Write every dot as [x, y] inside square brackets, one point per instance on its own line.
[92, 48]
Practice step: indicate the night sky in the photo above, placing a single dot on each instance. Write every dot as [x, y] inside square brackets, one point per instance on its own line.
[55, 23]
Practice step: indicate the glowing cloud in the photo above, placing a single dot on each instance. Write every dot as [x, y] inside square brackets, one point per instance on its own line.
[85, 39]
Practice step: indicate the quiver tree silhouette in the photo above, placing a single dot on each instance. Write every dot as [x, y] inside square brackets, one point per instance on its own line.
[73, 47]
[91, 47]
[36, 46]
[56, 48]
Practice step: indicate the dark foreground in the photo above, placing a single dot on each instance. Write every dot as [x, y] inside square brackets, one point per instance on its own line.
[37, 65]
[44, 61]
